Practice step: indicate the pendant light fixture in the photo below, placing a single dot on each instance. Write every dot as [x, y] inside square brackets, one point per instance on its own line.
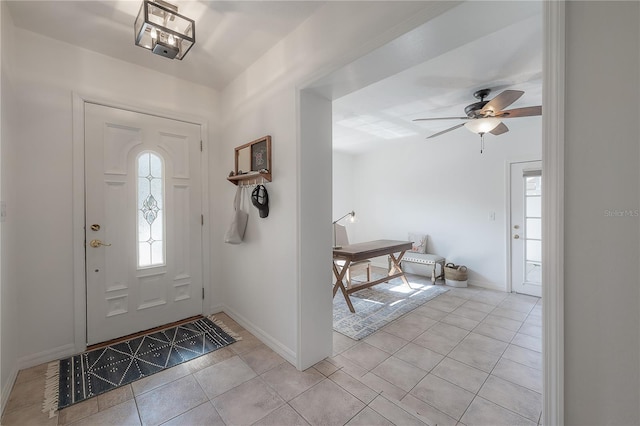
[162, 30]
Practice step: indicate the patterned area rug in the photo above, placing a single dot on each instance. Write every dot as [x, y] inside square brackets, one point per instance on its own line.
[377, 306]
[91, 373]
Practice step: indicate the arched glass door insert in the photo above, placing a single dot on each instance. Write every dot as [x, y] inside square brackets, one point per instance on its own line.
[151, 217]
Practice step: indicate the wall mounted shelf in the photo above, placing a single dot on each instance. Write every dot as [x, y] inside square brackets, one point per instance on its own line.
[250, 177]
[253, 159]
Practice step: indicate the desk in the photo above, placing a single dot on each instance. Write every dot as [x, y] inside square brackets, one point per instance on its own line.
[368, 250]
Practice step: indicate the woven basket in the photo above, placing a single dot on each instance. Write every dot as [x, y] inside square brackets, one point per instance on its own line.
[455, 272]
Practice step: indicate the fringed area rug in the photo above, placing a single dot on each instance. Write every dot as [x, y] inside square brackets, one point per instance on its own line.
[79, 377]
[377, 306]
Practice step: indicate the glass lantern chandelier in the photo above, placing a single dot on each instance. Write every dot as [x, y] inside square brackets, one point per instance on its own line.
[162, 30]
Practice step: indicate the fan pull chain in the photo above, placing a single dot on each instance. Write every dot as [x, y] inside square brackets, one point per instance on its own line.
[481, 142]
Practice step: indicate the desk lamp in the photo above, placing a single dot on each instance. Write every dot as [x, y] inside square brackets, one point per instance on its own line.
[352, 219]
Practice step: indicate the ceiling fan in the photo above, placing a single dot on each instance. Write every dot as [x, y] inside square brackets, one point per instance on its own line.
[486, 116]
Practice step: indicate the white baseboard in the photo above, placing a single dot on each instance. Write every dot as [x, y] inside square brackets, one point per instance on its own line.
[32, 360]
[261, 335]
[6, 389]
[217, 308]
[49, 355]
[408, 267]
[487, 285]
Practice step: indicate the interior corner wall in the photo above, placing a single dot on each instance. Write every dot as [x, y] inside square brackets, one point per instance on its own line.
[602, 232]
[261, 286]
[47, 72]
[445, 188]
[9, 321]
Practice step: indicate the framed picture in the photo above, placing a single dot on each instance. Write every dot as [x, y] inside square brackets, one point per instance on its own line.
[259, 157]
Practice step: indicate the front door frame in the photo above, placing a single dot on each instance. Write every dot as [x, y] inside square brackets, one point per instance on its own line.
[78, 217]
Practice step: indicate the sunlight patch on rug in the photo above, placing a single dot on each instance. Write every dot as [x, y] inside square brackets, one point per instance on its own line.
[377, 306]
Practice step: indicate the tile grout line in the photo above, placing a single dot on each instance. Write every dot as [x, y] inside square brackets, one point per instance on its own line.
[529, 316]
[477, 395]
[444, 357]
[493, 368]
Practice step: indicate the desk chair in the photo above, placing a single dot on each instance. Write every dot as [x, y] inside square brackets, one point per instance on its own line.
[343, 240]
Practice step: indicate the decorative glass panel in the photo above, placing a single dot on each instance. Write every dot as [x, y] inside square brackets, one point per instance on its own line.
[150, 210]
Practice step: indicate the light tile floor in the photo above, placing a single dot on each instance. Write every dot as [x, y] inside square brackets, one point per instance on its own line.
[471, 357]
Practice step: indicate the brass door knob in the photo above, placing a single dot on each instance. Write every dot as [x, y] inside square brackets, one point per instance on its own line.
[98, 243]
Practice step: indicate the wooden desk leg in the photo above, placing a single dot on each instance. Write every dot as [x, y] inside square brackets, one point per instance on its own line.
[396, 267]
[433, 274]
[340, 285]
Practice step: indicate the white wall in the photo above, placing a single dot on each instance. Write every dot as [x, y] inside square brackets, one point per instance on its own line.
[343, 185]
[343, 192]
[46, 74]
[314, 301]
[602, 300]
[445, 188]
[9, 321]
[260, 280]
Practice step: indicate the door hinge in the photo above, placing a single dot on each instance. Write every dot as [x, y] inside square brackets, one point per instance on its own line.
[202, 220]
[200, 146]
[202, 293]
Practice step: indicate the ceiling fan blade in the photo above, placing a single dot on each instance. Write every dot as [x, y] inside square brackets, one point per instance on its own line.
[446, 131]
[441, 118]
[502, 101]
[499, 129]
[522, 112]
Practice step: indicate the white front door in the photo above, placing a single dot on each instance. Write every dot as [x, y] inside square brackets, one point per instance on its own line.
[526, 228]
[143, 233]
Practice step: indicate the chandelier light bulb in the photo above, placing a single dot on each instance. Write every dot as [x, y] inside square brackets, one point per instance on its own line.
[482, 125]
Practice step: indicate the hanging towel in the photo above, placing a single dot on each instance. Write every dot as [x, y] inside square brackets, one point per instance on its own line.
[236, 230]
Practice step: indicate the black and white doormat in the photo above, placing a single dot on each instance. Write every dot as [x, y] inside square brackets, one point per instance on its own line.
[79, 377]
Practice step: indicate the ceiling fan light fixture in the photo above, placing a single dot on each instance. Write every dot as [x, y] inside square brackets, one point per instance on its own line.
[160, 28]
[482, 125]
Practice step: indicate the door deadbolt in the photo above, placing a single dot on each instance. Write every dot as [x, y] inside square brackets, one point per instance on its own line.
[95, 227]
[514, 227]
